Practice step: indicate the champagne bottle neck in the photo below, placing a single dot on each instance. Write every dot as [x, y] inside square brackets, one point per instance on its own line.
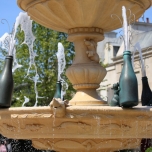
[8, 62]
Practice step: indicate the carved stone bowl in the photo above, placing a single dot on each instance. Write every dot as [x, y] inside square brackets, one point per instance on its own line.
[62, 15]
[86, 75]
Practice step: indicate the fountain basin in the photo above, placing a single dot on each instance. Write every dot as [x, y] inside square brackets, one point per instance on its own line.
[83, 128]
[66, 14]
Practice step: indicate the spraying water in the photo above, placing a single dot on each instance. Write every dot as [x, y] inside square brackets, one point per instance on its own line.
[26, 100]
[61, 60]
[8, 42]
[125, 28]
[61, 66]
[36, 80]
[138, 48]
[4, 41]
[26, 25]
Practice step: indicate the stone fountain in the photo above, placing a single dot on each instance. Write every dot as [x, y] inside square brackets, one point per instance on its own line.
[86, 124]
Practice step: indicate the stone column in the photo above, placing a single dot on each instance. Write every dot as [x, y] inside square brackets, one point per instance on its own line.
[86, 73]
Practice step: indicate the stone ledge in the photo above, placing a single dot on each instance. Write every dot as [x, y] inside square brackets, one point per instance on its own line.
[82, 125]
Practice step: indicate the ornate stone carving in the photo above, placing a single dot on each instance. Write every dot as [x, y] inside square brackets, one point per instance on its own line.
[8, 127]
[69, 126]
[86, 145]
[34, 127]
[86, 78]
[90, 75]
[86, 73]
[109, 128]
[85, 86]
[24, 116]
[58, 107]
[91, 53]
[85, 30]
[42, 143]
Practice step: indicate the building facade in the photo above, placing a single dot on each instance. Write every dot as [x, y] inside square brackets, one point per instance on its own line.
[111, 54]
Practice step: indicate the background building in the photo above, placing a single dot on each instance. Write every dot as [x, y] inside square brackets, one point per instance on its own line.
[111, 49]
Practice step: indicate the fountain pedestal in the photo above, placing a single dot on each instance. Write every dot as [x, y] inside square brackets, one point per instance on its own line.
[82, 128]
[86, 73]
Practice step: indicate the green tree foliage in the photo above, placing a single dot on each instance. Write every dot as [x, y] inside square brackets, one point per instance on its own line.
[149, 149]
[45, 46]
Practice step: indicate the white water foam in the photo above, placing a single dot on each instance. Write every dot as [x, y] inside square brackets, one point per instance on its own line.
[61, 66]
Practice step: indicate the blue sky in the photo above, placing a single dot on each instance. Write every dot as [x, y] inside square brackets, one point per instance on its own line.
[9, 11]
